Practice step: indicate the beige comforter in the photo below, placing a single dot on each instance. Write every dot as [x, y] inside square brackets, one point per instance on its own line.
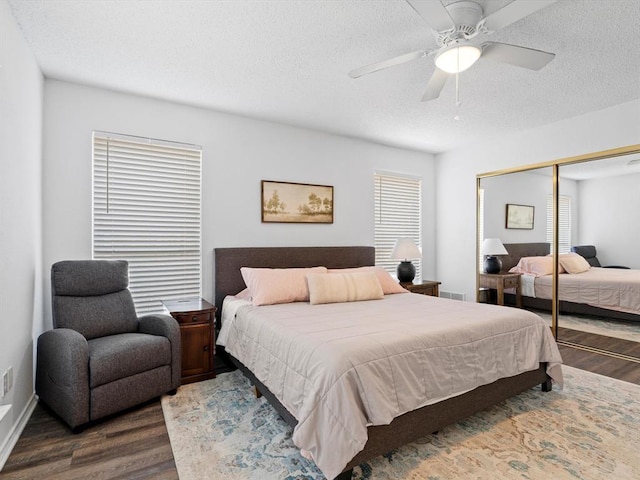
[341, 367]
[612, 288]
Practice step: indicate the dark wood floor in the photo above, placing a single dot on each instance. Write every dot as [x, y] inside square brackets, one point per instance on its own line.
[602, 364]
[135, 445]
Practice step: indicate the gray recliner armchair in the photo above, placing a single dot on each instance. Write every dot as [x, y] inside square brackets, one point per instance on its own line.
[101, 358]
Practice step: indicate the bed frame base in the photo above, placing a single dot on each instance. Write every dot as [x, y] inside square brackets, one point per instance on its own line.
[416, 424]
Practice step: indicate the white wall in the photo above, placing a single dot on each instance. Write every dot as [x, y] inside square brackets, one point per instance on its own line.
[456, 171]
[610, 218]
[524, 188]
[521, 189]
[21, 86]
[238, 152]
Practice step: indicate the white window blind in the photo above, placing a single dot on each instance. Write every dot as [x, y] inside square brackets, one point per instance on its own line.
[564, 223]
[146, 210]
[398, 208]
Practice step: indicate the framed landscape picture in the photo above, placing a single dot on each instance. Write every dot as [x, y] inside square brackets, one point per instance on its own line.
[520, 216]
[286, 202]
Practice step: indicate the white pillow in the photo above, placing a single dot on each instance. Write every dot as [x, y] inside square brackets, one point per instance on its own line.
[244, 295]
[269, 286]
[343, 287]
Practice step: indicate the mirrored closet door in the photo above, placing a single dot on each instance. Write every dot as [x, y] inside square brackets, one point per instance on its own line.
[570, 228]
[599, 218]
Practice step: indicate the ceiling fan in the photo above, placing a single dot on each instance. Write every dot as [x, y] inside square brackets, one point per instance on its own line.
[455, 26]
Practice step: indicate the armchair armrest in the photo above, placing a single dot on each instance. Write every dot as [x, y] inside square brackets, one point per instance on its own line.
[62, 374]
[166, 326]
[158, 324]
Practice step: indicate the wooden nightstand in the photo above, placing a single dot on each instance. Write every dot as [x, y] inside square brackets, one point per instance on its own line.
[427, 287]
[197, 331]
[501, 281]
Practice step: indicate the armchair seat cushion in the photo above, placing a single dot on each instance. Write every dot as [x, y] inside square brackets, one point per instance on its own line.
[118, 356]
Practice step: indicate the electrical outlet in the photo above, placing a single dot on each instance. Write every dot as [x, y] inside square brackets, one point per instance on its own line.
[2, 392]
[6, 381]
[9, 380]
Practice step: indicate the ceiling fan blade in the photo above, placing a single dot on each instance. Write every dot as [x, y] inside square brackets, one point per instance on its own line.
[434, 13]
[435, 85]
[515, 55]
[513, 12]
[374, 67]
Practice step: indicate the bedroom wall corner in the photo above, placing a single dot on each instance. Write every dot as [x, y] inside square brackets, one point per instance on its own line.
[21, 93]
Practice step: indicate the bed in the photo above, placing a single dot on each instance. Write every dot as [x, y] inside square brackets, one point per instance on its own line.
[397, 431]
[605, 292]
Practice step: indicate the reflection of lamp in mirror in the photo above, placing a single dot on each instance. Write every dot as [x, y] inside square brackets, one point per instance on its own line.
[492, 247]
[405, 250]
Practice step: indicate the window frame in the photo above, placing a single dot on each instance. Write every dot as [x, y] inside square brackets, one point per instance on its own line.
[403, 194]
[147, 209]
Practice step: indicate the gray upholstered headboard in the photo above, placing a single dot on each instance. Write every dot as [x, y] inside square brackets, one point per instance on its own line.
[228, 280]
[519, 250]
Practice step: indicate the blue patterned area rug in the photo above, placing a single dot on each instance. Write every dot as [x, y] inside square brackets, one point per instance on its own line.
[588, 431]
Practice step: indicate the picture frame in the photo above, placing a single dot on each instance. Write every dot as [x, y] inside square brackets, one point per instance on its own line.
[520, 217]
[288, 202]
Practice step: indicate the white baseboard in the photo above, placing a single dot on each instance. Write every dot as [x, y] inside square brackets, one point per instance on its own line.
[16, 431]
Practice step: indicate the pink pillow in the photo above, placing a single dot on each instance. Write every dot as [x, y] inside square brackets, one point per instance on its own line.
[573, 263]
[388, 284]
[560, 268]
[269, 286]
[536, 266]
[346, 287]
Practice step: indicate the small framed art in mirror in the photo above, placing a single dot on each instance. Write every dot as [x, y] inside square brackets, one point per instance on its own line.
[519, 216]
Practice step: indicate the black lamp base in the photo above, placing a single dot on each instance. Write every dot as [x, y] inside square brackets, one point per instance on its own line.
[492, 264]
[406, 272]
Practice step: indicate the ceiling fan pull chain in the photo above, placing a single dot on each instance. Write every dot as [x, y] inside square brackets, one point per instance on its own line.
[458, 79]
[457, 89]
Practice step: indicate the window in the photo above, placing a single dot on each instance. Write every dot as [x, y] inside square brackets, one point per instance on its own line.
[564, 223]
[146, 209]
[397, 214]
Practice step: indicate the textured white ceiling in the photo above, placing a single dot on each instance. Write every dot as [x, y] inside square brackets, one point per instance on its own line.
[287, 61]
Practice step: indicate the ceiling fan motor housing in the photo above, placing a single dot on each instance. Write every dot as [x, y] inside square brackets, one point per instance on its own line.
[466, 16]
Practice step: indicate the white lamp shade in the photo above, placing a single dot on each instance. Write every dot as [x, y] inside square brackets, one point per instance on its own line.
[457, 58]
[405, 249]
[493, 246]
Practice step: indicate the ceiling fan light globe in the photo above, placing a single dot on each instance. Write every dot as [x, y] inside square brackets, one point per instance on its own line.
[457, 58]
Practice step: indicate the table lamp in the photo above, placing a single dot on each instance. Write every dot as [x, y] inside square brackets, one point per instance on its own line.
[492, 247]
[405, 250]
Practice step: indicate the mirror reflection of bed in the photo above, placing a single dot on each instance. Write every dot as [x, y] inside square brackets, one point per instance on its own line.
[599, 206]
[607, 217]
[609, 317]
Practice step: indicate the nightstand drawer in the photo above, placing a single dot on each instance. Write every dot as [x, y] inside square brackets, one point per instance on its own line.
[427, 287]
[512, 282]
[195, 317]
